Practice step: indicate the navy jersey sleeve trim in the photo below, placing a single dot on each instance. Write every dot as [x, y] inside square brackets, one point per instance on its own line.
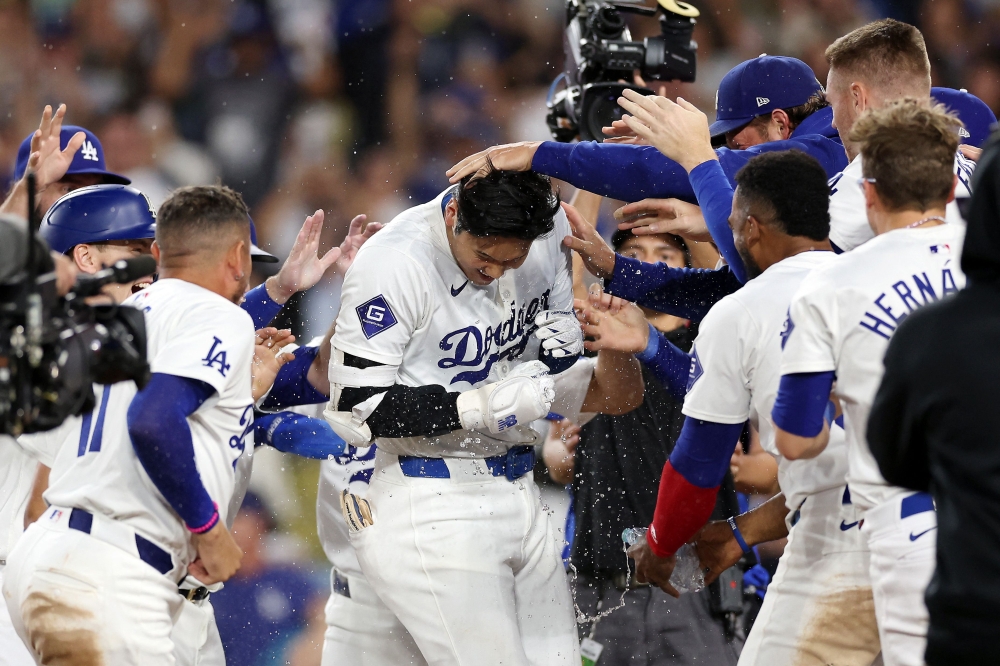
[802, 401]
[715, 196]
[258, 304]
[291, 386]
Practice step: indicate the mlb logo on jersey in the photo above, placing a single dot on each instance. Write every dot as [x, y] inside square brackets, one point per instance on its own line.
[375, 316]
[941, 249]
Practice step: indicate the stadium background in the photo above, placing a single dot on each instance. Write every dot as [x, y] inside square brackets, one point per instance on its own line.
[359, 106]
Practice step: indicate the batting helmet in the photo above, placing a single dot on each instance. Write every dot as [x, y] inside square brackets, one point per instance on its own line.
[97, 214]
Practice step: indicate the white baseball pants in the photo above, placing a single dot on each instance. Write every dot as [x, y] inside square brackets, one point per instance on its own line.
[12, 650]
[470, 565]
[362, 631]
[196, 636]
[818, 610]
[903, 551]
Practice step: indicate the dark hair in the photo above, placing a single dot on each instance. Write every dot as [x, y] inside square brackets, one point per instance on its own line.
[787, 189]
[796, 114]
[908, 147]
[620, 237]
[512, 204]
[882, 53]
[195, 217]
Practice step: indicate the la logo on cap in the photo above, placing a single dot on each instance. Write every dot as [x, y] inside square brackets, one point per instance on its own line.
[761, 101]
[88, 152]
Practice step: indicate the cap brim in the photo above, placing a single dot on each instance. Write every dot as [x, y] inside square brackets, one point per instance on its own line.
[261, 257]
[109, 177]
[720, 127]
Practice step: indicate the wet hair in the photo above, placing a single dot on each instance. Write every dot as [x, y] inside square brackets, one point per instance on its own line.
[883, 53]
[908, 147]
[510, 204]
[197, 217]
[787, 189]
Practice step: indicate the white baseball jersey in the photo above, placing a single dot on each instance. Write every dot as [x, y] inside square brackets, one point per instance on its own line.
[849, 226]
[194, 333]
[16, 475]
[735, 364]
[844, 315]
[406, 303]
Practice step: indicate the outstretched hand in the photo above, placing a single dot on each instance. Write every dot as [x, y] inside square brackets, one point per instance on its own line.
[611, 323]
[597, 255]
[664, 216]
[268, 358]
[508, 157]
[304, 268]
[678, 130]
[46, 159]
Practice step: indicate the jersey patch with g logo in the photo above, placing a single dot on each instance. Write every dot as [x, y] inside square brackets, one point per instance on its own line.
[375, 316]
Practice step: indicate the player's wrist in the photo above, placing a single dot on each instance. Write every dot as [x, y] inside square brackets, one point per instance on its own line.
[276, 291]
[695, 158]
[207, 526]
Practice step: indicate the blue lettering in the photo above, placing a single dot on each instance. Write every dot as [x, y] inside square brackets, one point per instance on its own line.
[885, 309]
[239, 441]
[877, 324]
[947, 282]
[213, 357]
[924, 287]
[906, 295]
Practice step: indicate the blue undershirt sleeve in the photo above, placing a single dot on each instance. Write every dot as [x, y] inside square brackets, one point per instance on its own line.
[703, 451]
[668, 363]
[802, 402]
[298, 434]
[161, 437]
[619, 171]
[688, 293]
[291, 386]
[260, 307]
[715, 196]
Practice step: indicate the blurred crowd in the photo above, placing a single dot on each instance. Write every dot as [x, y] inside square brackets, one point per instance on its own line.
[359, 106]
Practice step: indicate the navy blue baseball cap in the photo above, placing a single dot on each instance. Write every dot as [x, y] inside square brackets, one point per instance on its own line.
[759, 86]
[257, 254]
[89, 159]
[96, 214]
[977, 117]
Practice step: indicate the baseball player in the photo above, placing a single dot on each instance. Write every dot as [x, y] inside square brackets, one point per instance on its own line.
[839, 326]
[779, 220]
[438, 316]
[145, 497]
[869, 67]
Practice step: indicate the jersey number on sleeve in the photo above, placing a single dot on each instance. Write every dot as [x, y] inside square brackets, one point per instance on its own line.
[93, 439]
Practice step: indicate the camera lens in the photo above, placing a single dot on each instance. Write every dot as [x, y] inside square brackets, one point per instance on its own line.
[600, 108]
[607, 23]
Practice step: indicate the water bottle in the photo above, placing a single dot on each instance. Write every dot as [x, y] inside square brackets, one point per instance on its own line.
[687, 575]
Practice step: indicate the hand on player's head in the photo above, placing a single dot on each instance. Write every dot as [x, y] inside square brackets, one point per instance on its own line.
[596, 254]
[664, 216]
[508, 157]
[678, 130]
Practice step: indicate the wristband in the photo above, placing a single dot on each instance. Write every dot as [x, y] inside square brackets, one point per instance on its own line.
[652, 346]
[739, 537]
[212, 522]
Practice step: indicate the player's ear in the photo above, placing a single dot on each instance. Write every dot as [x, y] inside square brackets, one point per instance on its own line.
[156, 252]
[954, 184]
[782, 122]
[86, 258]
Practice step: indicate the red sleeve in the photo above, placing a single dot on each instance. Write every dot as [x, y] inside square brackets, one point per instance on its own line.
[682, 508]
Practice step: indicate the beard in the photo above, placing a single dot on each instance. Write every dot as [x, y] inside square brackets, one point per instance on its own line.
[751, 266]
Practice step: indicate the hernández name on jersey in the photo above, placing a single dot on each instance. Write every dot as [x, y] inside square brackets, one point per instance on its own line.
[891, 307]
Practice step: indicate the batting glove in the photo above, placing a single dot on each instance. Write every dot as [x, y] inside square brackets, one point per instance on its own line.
[520, 398]
[294, 433]
[560, 333]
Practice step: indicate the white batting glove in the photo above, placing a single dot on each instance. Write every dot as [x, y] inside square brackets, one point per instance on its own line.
[560, 333]
[520, 398]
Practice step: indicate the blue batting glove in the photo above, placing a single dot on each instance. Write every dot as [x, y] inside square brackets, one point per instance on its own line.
[301, 435]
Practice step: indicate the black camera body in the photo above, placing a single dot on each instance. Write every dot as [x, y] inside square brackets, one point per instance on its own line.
[600, 54]
[54, 349]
